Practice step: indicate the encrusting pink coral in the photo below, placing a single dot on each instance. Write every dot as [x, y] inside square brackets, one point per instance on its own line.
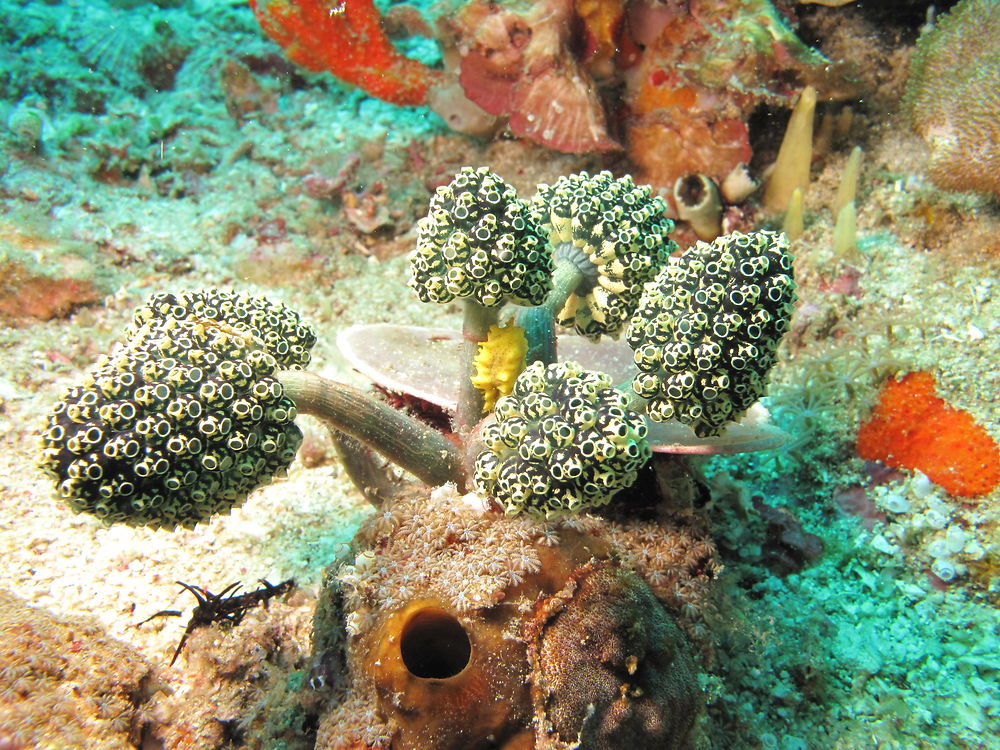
[517, 62]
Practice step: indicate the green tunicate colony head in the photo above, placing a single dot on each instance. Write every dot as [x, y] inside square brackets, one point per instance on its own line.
[615, 233]
[186, 417]
[479, 242]
[563, 440]
[707, 330]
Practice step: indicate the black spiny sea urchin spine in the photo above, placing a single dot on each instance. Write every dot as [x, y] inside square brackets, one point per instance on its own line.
[707, 331]
[185, 418]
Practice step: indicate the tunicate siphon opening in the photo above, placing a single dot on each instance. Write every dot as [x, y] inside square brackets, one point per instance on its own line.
[434, 645]
[691, 189]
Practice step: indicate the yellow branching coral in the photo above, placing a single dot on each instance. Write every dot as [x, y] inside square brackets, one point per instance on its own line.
[499, 361]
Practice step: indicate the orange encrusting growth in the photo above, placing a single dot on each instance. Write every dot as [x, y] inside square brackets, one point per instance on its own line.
[346, 39]
[912, 428]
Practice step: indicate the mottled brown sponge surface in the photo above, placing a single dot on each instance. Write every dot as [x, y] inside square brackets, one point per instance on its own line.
[610, 667]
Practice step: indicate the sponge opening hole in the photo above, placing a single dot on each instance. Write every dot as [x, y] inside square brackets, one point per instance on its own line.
[434, 645]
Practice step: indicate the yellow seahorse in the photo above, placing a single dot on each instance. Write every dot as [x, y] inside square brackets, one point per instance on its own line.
[499, 361]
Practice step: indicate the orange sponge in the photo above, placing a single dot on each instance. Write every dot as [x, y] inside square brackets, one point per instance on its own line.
[914, 429]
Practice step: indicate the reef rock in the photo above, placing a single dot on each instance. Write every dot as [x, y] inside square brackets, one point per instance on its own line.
[470, 629]
[609, 665]
[515, 60]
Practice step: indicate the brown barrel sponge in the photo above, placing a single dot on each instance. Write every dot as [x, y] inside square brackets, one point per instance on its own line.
[610, 667]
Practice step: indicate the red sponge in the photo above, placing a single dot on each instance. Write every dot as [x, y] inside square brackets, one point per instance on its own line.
[346, 39]
[914, 429]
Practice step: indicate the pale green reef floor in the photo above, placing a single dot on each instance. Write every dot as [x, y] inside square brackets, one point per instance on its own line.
[858, 650]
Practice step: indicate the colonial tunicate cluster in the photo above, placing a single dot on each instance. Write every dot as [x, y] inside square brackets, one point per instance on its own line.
[186, 417]
[706, 332]
[563, 440]
[479, 241]
[613, 231]
[269, 325]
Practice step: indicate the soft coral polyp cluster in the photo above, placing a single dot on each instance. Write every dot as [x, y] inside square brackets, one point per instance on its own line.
[914, 429]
